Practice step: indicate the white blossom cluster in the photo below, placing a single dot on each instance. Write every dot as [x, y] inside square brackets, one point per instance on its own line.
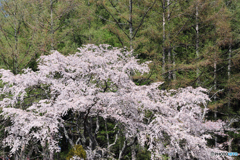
[97, 81]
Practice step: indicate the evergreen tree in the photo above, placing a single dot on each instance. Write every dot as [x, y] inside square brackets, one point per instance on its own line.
[16, 36]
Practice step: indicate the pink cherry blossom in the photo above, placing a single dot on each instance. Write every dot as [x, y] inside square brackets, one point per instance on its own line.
[96, 81]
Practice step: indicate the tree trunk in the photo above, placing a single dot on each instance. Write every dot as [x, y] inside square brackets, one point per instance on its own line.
[215, 88]
[15, 156]
[130, 24]
[174, 64]
[133, 147]
[169, 45]
[89, 25]
[51, 6]
[197, 42]
[22, 156]
[164, 38]
[229, 93]
[51, 156]
[122, 150]
[15, 60]
[51, 152]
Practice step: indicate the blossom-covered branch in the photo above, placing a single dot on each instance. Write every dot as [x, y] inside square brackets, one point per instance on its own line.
[96, 83]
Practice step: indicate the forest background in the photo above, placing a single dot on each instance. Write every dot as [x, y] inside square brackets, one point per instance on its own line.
[190, 43]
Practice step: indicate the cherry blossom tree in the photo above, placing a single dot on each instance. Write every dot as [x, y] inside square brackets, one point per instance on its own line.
[93, 84]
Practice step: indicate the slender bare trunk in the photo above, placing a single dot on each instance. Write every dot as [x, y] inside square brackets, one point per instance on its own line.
[215, 88]
[133, 148]
[130, 24]
[106, 132]
[51, 152]
[230, 143]
[22, 156]
[174, 65]
[51, 157]
[229, 73]
[164, 38]
[229, 93]
[197, 42]
[89, 25]
[123, 148]
[44, 154]
[15, 156]
[15, 52]
[169, 46]
[51, 6]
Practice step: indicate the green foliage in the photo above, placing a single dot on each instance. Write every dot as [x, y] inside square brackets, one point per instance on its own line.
[77, 150]
[143, 154]
[90, 22]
